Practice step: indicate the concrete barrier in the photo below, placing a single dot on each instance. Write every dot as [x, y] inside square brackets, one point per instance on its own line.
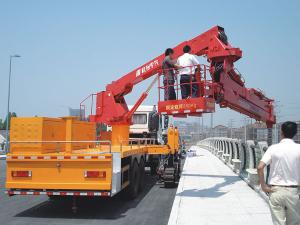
[263, 146]
[226, 158]
[253, 177]
[236, 165]
[241, 157]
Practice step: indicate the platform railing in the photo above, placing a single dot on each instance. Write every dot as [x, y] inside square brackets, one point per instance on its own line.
[198, 79]
[83, 107]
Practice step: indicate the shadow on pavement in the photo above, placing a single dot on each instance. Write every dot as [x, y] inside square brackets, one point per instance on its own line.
[88, 208]
[212, 192]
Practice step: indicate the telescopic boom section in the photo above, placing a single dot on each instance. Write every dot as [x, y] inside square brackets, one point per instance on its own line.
[228, 87]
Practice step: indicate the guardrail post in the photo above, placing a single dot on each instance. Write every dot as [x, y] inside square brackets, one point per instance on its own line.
[236, 165]
[252, 176]
[263, 147]
[226, 158]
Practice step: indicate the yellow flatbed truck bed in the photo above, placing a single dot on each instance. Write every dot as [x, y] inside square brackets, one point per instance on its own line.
[61, 157]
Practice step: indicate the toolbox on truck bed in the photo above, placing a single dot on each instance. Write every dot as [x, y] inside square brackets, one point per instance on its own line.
[49, 135]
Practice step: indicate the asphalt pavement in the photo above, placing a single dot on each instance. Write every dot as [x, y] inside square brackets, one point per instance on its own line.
[151, 207]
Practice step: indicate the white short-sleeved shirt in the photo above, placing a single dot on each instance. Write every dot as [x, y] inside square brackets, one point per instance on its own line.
[188, 61]
[284, 161]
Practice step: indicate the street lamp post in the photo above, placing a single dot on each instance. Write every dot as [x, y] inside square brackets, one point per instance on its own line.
[8, 102]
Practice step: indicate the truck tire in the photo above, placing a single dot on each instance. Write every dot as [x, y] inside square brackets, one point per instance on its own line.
[142, 175]
[169, 177]
[153, 168]
[179, 169]
[154, 163]
[134, 180]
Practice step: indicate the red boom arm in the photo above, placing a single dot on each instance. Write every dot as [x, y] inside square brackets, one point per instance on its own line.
[229, 89]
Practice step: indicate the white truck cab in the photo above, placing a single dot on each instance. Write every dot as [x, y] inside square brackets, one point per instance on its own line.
[147, 123]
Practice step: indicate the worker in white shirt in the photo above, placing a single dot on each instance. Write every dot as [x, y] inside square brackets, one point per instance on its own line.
[188, 62]
[284, 178]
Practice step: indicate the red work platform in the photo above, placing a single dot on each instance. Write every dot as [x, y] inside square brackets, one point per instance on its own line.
[187, 107]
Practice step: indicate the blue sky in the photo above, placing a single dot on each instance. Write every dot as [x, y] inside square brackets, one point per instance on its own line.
[72, 48]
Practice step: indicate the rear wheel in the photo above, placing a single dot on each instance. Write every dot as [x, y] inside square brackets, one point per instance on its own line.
[153, 168]
[142, 175]
[134, 181]
[169, 177]
[154, 163]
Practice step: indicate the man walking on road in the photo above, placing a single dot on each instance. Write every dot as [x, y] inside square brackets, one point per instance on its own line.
[284, 177]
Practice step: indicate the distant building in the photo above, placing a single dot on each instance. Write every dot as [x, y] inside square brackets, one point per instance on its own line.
[238, 133]
[2, 138]
[257, 131]
[76, 112]
[261, 134]
[183, 127]
[220, 131]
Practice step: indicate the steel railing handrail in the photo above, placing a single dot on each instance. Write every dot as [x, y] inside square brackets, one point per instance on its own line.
[83, 107]
[206, 86]
[63, 142]
[102, 141]
[139, 142]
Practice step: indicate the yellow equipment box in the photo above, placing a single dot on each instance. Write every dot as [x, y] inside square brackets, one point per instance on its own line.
[61, 156]
[49, 135]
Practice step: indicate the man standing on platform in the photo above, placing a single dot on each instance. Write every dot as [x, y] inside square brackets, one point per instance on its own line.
[168, 66]
[188, 62]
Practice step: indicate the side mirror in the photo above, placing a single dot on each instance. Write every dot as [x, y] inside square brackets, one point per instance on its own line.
[154, 122]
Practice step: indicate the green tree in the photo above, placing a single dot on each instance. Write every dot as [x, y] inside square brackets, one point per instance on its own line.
[13, 114]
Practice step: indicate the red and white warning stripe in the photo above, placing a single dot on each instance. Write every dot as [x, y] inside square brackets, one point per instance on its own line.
[60, 193]
[47, 157]
[184, 111]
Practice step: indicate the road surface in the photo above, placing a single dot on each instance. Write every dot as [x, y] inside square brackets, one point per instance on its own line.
[152, 207]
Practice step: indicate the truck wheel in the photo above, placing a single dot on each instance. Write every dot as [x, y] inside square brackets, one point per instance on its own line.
[134, 181]
[142, 175]
[154, 165]
[153, 169]
[169, 177]
[179, 169]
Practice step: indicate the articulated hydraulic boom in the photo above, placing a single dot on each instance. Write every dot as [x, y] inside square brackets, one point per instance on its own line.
[227, 87]
[60, 157]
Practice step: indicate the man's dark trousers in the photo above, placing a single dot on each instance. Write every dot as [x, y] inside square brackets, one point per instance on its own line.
[185, 84]
[169, 89]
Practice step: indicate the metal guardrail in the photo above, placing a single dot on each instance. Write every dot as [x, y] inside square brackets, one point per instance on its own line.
[199, 78]
[130, 142]
[249, 152]
[138, 142]
[58, 143]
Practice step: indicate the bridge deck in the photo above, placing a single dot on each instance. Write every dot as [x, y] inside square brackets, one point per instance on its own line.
[209, 193]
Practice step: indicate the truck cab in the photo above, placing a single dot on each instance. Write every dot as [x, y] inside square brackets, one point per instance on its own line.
[147, 123]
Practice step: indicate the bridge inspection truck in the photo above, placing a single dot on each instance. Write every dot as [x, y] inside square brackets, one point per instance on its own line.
[65, 157]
